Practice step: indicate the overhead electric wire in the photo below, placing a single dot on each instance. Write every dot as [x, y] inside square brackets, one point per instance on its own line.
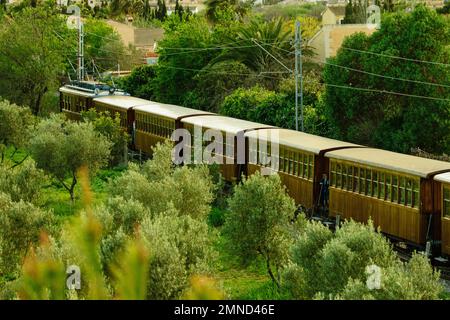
[263, 73]
[382, 76]
[385, 92]
[397, 57]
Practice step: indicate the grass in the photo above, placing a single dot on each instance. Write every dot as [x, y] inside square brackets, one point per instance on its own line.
[57, 198]
[238, 282]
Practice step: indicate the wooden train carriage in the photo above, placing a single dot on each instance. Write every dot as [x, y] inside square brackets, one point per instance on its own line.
[155, 122]
[121, 104]
[72, 102]
[300, 162]
[233, 148]
[396, 190]
[444, 181]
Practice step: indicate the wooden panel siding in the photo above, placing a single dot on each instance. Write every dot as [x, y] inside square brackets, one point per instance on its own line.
[445, 218]
[151, 129]
[391, 199]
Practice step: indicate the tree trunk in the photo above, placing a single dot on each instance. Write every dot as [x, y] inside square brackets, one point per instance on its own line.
[269, 269]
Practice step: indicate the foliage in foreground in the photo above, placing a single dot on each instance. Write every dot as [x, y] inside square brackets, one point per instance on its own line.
[123, 252]
[21, 224]
[23, 182]
[334, 266]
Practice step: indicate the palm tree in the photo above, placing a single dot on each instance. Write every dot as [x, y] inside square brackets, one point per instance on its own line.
[266, 48]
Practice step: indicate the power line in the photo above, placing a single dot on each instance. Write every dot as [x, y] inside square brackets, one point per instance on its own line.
[385, 92]
[107, 38]
[382, 76]
[223, 72]
[396, 57]
[225, 46]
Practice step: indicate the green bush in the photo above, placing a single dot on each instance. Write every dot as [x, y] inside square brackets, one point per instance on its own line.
[21, 225]
[216, 217]
[334, 266]
[62, 147]
[258, 222]
[23, 182]
[109, 126]
[158, 185]
[179, 247]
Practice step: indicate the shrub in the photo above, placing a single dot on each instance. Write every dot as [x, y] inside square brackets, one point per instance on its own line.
[22, 182]
[179, 247]
[216, 217]
[327, 265]
[158, 185]
[258, 222]
[21, 225]
[62, 147]
[109, 126]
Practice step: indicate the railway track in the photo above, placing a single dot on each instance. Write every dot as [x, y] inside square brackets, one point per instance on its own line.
[443, 267]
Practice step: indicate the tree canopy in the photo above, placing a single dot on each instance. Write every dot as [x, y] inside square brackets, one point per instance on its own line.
[417, 113]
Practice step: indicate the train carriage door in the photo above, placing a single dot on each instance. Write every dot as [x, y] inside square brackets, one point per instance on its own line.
[321, 168]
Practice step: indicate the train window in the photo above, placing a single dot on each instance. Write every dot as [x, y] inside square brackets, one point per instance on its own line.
[338, 175]
[408, 192]
[381, 186]
[446, 204]
[415, 194]
[362, 180]
[394, 196]
[333, 174]
[295, 169]
[401, 188]
[368, 190]
[375, 184]
[281, 159]
[344, 176]
[388, 187]
[356, 179]
[349, 178]
[305, 166]
[311, 167]
[289, 161]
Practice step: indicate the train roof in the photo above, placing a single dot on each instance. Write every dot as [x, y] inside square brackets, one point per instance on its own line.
[122, 101]
[300, 140]
[388, 160]
[226, 124]
[86, 94]
[443, 177]
[169, 110]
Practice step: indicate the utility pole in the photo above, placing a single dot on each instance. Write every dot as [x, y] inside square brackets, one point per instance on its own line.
[80, 51]
[298, 74]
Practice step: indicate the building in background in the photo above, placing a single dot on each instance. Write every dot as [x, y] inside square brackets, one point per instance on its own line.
[333, 14]
[329, 38]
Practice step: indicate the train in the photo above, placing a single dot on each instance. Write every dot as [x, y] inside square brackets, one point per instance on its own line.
[407, 197]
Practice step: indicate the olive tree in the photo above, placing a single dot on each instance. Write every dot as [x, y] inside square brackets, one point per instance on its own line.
[340, 266]
[179, 247]
[62, 147]
[158, 185]
[109, 126]
[15, 124]
[258, 222]
[21, 225]
[414, 280]
[22, 182]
